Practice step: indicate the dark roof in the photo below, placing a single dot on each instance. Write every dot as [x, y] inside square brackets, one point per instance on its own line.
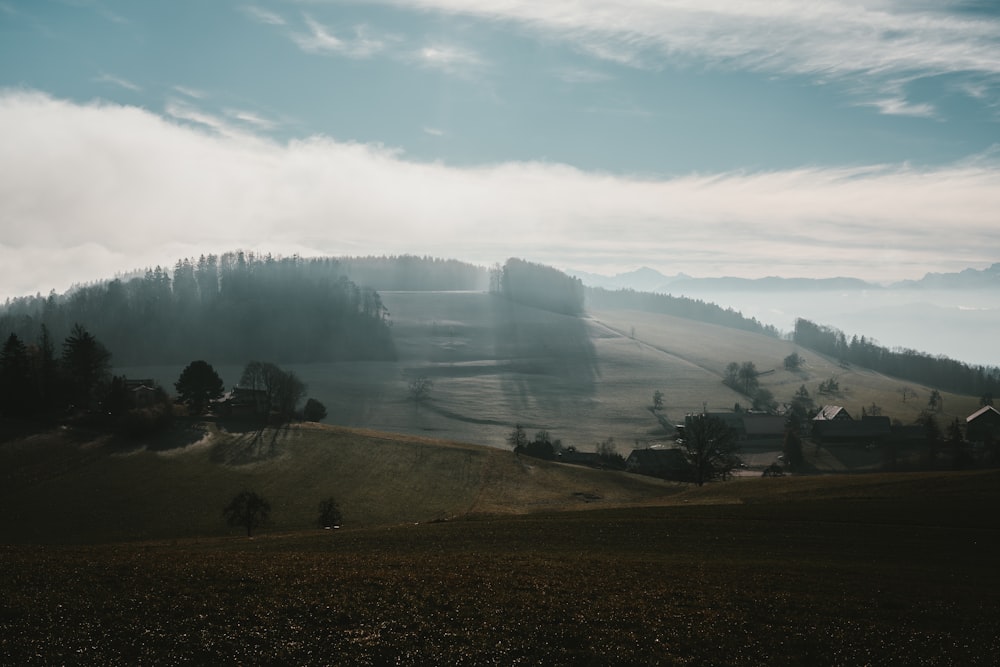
[988, 410]
[758, 425]
[656, 461]
[865, 428]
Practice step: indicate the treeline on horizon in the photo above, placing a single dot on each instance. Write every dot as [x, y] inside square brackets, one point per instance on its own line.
[678, 306]
[538, 285]
[412, 273]
[939, 372]
[227, 308]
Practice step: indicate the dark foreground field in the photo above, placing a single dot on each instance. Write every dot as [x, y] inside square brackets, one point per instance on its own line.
[871, 579]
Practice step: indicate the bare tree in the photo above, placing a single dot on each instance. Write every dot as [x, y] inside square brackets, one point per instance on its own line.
[247, 509]
[420, 389]
[329, 514]
[709, 448]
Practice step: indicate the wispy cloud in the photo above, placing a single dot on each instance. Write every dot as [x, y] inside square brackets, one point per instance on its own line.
[321, 39]
[580, 75]
[252, 118]
[186, 112]
[825, 39]
[263, 15]
[449, 58]
[899, 106]
[433, 131]
[191, 92]
[117, 81]
[134, 183]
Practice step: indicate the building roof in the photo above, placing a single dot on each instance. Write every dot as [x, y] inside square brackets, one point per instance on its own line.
[763, 425]
[830, 412]
[986, 409]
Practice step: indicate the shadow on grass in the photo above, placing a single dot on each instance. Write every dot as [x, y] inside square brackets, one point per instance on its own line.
[551, 359]
[248, 442]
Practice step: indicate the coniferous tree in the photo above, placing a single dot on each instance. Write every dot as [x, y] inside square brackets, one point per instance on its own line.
[198, 384]
[86, 364]
[15, 378]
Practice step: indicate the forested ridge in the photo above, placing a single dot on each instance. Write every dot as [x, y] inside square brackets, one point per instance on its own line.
[413, 273]
[678, 306]
[538, 286]
[228, 308]
[934, 371]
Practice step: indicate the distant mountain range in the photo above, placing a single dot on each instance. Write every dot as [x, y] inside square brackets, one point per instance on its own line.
[646, 279]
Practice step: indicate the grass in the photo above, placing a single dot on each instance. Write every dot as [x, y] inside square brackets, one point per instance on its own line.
[461, 554]
[495, 364]
[851, 572]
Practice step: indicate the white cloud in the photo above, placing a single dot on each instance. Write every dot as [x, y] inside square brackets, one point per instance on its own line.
[90, 190]
[321, 39]
[898, 106]
[251, 118]
[433, 131]
[450, 58]
[263, 16]
[821, 39]
[117, 81]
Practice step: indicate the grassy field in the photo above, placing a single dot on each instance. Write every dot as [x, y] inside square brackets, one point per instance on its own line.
[837, 570]
[69, 486]
[495, 364]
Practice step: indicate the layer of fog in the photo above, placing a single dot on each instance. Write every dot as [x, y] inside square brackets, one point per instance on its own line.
[960, 324]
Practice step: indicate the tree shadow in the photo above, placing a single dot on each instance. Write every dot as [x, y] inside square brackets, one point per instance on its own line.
[249, 442]
[551, 360]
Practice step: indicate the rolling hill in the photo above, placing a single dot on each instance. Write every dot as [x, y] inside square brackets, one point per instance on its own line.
[495, 364]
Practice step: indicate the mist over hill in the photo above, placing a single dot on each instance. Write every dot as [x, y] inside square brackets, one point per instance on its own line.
[951, 314]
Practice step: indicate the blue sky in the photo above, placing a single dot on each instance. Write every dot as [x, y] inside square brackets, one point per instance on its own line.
[713, 137]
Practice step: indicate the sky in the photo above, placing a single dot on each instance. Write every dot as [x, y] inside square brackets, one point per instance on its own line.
[712, 137]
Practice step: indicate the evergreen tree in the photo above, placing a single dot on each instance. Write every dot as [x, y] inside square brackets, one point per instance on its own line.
[15, 378]
[198, 384]
[86, 363]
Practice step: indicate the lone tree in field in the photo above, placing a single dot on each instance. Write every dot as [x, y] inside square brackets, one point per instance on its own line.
[793, 362]
[247, 509]
[420, 389]
[329, 513]
[199, 384]
[709, 448]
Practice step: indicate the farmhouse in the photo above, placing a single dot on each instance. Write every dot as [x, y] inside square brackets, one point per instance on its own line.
[983, 425]
[833, 424]
[242, 402]
[662, 462]
[142, 392]
[750, 428]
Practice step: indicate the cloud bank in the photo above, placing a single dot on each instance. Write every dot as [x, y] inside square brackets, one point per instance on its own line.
[88, 190]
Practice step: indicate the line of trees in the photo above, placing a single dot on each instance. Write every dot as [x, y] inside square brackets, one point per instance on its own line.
[410, 272]
[538, 285]
[35, 381]
[678, 306]
[228, 308]
[939, 371]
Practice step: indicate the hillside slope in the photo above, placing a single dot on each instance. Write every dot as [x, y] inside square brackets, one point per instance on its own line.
[66, 486]
[495, 364]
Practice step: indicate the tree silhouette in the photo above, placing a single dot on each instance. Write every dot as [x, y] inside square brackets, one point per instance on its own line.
[709, 448]
[314, 411]
[198, 384]
[15, 377]
[247, 510]
[329, 514]
[86, 362]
